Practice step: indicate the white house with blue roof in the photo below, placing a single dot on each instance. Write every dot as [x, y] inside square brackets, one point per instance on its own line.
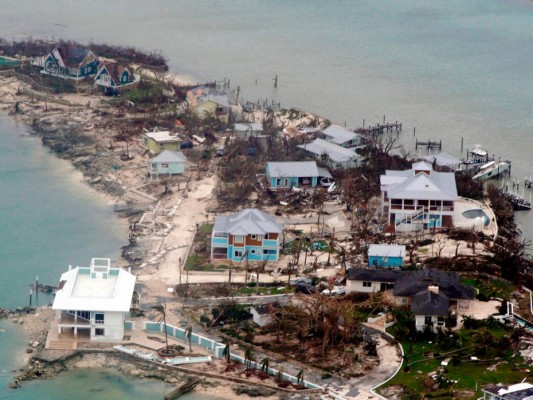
[419, 198]
[248, 235]
[289, 174]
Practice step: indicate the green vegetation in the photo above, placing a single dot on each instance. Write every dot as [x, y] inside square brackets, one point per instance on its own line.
[262, 290]
[490, 287]
[199, 261]
[477, 356]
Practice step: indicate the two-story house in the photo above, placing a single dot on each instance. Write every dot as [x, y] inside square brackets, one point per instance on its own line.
[157, 142]
[70, 62]
[419, 198]
[250, 234]
[205, 102]
[94, 302]
[114, 78]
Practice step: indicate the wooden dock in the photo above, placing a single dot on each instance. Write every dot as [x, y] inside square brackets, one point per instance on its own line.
[182, 389]
[429, 144]
[379, 129]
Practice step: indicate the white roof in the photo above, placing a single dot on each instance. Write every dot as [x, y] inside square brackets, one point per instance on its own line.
[169, 156]
[289, 169]
[244, 127]
[81, 290]
[247, 222]
[336, 153]
[422, 186]
[162, 136]
[339, 134]
[386, 250]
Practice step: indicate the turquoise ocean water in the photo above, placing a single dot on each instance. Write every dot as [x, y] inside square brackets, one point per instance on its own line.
[454, 69]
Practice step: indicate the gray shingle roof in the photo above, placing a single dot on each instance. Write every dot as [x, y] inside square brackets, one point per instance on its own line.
[298, 169]
[335, 152]
[247, 222]
[375, 275]
[386, 250]
[427, 302]
[448, 282]
[169, 156]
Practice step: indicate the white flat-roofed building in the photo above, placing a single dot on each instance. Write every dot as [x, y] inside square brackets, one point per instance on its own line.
[94, 301]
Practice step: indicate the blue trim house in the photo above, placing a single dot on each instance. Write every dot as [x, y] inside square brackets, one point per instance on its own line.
[70, 62]
[250, 235]
[386, 255]
[167, 163]
[113, 77]
[285, 175]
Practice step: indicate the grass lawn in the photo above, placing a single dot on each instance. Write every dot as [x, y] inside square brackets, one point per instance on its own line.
[425, 357]
[490, 287]
[200, 262]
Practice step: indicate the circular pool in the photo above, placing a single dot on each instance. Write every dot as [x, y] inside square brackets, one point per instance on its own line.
[477, 213]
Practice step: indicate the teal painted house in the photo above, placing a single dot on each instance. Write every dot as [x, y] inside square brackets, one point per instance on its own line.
[167, 163]
[249, 235]
[289, 174]
[71, 62]
[113, 77]
[386, 255]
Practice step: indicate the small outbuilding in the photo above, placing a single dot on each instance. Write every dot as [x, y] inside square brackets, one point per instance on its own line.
[167, 163]
[386, 255]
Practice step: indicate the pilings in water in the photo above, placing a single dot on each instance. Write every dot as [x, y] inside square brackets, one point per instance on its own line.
[429, 144]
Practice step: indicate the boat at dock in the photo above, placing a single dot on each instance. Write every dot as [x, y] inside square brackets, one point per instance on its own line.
[476, 156]
[492, 169]
[518, 202]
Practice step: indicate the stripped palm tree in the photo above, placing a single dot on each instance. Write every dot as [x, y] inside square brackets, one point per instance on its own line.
[227, 352]
[161, 314]
[188, 336]
[265, 364]
[248, 357]
[300, 378]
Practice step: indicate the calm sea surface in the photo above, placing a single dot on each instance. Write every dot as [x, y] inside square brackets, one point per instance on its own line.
[455, 69]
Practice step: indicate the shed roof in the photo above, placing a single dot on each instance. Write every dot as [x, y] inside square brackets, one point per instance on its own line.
[336, 153]
[428, 302]
[386, 250]
[247, 222]
[298, 169]
[162, 137]
[169, 156]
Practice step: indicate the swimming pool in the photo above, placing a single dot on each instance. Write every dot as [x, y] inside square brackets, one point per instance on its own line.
[477, 213]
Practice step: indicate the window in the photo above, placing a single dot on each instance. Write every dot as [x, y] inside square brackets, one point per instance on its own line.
[428, 320]
[84, 314]
[99, 332]
[239, 239]
[265, 251]
[164, 165]
[367, 284]
[238, 253]
[253, 237]
[99, 319]
[253, 251]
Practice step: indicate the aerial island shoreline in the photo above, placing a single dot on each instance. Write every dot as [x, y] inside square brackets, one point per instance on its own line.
[90, 133]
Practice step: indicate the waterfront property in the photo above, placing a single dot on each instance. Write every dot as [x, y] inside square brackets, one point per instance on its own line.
[243, 130]
[419, 198]
[288, 174]
[157, 142]
[332, 154]
[343, 137]
[443, 160]
[386, 255]
[430, 294]
[94, 301]
[167, 163]
[70, 62]
[518, 391]
[114, 77]
[250, 234]
[206, 102]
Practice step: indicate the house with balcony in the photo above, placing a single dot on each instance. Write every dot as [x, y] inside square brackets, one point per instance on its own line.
[332, 154]
[70, 62]
[94, 302]
[167, 163]
[248, 235]
[343, 137]
[289, 174]
[113, 78]
[419, 198]
[157, 142]
[205, 102]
